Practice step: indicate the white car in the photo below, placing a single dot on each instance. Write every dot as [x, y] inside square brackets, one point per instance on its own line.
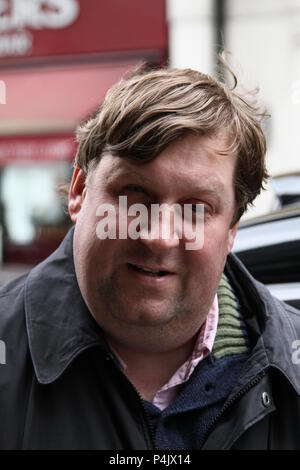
[269, 246]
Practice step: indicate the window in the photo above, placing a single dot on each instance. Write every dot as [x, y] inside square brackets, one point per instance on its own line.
[32, 211]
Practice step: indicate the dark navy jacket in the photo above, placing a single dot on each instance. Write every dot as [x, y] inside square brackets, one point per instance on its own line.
[61, 388]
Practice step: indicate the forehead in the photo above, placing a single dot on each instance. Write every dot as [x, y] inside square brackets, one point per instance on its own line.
[187, 161]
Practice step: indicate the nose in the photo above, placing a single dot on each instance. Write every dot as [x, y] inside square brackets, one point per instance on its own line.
[160, 243]
[160, 236]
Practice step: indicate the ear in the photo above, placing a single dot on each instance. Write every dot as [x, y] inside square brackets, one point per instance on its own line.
[231, 236]
[77, 193]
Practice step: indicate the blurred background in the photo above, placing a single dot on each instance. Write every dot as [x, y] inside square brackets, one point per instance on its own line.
[59, 57]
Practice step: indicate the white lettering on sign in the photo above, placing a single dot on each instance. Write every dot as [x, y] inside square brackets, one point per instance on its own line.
[2, 92]
[37, 14]
[15, 44]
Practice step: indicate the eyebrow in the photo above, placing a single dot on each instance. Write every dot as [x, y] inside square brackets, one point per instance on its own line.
[213, 187]
[129, 174]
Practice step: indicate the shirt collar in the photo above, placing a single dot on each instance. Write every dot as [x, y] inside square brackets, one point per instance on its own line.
[202, 348]
[59, 324]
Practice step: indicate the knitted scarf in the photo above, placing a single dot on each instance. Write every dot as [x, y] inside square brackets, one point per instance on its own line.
[231, 337]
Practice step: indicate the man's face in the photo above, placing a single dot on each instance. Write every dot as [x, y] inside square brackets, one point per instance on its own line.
[144, 310]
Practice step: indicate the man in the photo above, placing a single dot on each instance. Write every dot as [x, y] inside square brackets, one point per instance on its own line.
[125, 340]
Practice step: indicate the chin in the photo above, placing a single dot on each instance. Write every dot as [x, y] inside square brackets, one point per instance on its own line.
[145, 317]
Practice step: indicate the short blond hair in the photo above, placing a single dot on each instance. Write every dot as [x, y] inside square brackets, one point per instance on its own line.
[142, 114]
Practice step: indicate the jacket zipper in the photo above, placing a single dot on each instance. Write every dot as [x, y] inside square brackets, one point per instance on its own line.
[230, 402]
[149, 428]
[147, 419]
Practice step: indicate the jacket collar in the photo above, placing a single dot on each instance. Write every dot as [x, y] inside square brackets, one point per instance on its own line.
[272, 323]
[59, 324]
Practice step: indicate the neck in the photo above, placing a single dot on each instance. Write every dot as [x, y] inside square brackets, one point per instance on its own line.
[149, 371]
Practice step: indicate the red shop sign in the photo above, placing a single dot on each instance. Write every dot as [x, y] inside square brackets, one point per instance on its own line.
[37, 148]
[58, 28]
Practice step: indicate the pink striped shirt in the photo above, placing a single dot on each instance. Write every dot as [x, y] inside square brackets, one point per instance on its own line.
[203, 346]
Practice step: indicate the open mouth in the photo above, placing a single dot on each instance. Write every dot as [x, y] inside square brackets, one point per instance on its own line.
[148, 272]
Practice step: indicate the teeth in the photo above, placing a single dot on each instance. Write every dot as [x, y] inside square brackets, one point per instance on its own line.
[148, 270]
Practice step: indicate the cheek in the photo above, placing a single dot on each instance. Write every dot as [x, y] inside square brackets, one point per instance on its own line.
[216, 239]
[212, 257]
[87, 219]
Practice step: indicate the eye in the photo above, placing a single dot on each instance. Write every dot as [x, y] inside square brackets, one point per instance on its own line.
[194, 207]
[136, 189]
[199, 206]
[136, 194]
[132, 189]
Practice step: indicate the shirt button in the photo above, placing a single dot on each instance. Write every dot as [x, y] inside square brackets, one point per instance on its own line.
[265, 398]
[208, 387]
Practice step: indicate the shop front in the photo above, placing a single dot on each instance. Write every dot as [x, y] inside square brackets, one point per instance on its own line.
[57, 60]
